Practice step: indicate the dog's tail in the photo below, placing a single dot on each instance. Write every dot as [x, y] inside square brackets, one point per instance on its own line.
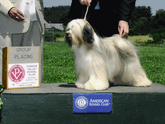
[125, 47]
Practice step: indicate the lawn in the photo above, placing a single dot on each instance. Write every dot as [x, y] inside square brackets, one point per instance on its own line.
[140, 37]
[59, 63]
[153, 61]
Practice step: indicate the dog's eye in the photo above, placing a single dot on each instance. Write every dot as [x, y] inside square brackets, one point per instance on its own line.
[68, 31]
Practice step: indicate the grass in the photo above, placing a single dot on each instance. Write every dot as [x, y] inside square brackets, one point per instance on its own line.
[59, 63]
[141, 37]
[152, 60]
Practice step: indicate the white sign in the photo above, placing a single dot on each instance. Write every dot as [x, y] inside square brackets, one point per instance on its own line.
[23, 75]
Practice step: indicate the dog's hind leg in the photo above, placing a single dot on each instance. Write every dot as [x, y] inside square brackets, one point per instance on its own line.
[134, 74]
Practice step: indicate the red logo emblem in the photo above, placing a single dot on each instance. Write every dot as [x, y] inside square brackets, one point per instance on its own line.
[16, 73]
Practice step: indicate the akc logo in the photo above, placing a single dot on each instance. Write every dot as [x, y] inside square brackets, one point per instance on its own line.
[16, 73]
[81, 102]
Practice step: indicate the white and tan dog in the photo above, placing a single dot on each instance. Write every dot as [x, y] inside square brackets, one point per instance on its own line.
[100, 60]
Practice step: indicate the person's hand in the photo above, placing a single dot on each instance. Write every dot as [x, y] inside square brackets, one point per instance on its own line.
[86, 2]
[123, 28]
[16, 14]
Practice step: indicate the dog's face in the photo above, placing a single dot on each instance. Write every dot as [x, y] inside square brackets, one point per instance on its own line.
[79, 32]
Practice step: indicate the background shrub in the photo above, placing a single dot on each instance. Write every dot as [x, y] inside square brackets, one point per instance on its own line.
[157, 35]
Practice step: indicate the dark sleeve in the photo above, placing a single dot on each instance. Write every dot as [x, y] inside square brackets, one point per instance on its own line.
[76, 10]
[125, 9]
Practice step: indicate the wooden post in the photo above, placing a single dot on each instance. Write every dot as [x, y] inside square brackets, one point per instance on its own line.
[162, 42]
[53, 34]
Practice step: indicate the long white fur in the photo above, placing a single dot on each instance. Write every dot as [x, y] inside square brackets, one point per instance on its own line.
[107, 59]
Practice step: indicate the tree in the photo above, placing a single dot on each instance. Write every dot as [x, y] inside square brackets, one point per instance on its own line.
[141, 11]
[64, 18]
[140, 20]
[158, 34]
[158, 21]
[57, 14]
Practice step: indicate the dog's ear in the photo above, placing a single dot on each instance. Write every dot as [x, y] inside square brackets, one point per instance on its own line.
[88, 34]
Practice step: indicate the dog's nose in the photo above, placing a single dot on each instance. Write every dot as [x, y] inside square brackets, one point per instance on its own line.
[67, 34]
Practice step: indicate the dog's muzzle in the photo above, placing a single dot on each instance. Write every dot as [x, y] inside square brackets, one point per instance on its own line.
[68, 38]
[67, 34]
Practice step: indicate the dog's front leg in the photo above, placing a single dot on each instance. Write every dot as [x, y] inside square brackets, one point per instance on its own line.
[81, 79]
[96, 84]
[98, 79]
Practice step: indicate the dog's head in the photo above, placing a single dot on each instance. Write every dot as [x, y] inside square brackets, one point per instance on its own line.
[79, 32]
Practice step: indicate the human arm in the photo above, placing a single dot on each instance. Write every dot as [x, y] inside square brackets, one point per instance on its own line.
[5, 6]
[8, 9]
[123, 28]
[125, 10]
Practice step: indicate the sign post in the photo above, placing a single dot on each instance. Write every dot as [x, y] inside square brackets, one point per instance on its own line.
[21, 67]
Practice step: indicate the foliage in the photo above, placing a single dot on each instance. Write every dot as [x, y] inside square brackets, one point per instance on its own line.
[141, 11]
[158, 26]
[140, 20]
[57, 35]
[57, 14]
[158, 35]
[48, 36]
[1, 89]
[158, 21]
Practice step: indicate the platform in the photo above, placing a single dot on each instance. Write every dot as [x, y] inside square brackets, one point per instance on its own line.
[52, 104]
[71, 88]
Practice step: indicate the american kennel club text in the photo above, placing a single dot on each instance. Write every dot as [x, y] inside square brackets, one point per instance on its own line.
[82, 102]
[92, 103]
[99, 102]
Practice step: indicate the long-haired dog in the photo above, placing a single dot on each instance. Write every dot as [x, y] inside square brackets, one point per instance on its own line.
[100, 60]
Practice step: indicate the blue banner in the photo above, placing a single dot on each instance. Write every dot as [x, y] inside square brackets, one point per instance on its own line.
[92, 103]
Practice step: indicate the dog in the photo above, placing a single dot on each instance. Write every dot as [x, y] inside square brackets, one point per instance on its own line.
[100, 60]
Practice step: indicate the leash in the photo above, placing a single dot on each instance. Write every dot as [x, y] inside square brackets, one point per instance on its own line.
[86, 13]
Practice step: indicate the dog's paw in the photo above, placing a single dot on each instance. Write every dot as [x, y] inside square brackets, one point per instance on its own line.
[79, 85]
[88, 86]
[96, 86]
[144, 83]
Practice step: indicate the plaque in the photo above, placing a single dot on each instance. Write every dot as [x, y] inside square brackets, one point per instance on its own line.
[21, 67]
